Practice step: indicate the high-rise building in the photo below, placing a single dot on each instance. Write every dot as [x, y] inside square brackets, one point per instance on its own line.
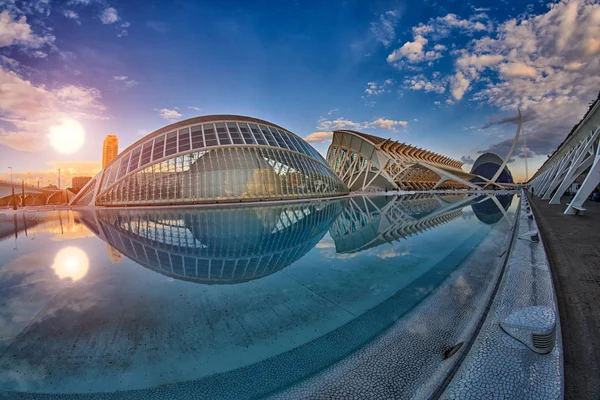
[79, 181]
[110, 149]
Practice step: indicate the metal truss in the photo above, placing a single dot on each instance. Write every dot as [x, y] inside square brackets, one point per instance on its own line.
[552, 183]
[363, 161]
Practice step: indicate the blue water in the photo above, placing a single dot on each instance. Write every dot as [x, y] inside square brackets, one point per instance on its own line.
[230, 302]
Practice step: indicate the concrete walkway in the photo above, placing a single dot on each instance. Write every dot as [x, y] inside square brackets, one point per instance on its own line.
[573, 249]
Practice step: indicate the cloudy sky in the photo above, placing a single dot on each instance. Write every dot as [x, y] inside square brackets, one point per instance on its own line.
[448, 77]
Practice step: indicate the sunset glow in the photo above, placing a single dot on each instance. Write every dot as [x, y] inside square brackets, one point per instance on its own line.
[68, 137]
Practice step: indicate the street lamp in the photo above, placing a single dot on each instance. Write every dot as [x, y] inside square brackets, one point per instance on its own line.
[13, 190]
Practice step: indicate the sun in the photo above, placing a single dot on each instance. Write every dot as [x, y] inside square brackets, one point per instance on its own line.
[71, 262]
[68, 137]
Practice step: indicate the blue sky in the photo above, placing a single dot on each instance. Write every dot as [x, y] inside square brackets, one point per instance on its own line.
[446, 76]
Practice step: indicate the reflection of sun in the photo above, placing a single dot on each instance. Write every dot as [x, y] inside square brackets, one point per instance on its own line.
[68, 137]
[71, 262]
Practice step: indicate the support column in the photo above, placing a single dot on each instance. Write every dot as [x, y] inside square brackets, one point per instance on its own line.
[591, 181]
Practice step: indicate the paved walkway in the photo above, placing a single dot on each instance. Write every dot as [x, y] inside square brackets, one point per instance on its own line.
[573, 247]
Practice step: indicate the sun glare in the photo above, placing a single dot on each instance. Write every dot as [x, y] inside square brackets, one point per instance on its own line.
[71, 263]
[68, 137]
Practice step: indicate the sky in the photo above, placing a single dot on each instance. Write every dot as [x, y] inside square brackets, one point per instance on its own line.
[444, 76]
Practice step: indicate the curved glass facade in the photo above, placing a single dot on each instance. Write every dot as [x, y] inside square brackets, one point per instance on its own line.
[216, 158]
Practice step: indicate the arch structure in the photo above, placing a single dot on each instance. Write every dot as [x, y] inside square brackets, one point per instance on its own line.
[372, 221]
[366, 162]
[210, 159]
[578, 155]
[214, 245]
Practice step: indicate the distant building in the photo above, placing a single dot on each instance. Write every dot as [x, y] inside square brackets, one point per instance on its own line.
[79, 181]
[110, 149]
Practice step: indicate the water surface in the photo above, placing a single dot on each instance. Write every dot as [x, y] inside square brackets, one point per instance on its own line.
[238, 302]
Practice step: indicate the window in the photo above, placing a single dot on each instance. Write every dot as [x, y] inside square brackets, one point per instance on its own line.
[159, 148]
[184, 139]
[267, 134]
[146, 153]
[135, 159]
[236, 136]
[197, 139]
[222, 133]
[210, 138]
[246, 133]
[171, 146]
[258, 136]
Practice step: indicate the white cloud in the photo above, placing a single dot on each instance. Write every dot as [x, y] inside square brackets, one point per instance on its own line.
[546, 64]
[373, 89]
[388, 124]
[326, 125]
[437, 103]
[195, 108]
[333, 111]
[127, 82]
[80, 97]
[517, 70]
[71, 14]
[384, 30]
[143, 132]
[420, 82]
[16, 31]
[459, 85]
[319, 137]
[479, 61]
[109, 16]
[169, 114]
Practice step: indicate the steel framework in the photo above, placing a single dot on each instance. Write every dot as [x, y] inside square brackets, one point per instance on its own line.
[364, 162]
[579, 154]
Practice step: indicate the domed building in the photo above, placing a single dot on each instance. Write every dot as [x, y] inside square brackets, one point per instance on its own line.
[487, 165]
[211, 159]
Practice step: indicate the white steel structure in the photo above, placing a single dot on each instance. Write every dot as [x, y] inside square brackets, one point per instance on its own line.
[579, 153]
[209, 159]
[365, 162]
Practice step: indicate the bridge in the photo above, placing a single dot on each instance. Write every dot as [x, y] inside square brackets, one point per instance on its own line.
[578, 154]
[34, 196]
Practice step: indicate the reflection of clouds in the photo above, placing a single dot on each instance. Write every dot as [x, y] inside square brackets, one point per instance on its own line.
[27, 285]
[331, 254]
[325, 244]
[71, 262]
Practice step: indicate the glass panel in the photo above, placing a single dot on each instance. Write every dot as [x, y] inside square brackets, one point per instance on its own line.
[258, 136]
[222, 133]
[269, 136]
[123, 166]
[146, 153]
[184, 140]
[171, 146]
[210, 138]
[135, 159]
[159, 148]
[197, 138]
[248, 138]
[288, 141]
[236, 136]
[280, 142]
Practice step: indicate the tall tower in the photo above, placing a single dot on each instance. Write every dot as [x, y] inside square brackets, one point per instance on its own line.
[110, 149]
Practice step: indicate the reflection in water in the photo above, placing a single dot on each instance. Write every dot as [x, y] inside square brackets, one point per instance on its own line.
[371, 221]
[71, 263]
[488, 210]
[219, 245]
[114, 255]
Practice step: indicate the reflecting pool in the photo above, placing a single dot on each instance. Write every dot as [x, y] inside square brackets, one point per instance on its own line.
[352, 297]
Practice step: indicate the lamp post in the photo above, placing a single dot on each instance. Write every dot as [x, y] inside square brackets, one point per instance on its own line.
[13, 190]
[59, 179]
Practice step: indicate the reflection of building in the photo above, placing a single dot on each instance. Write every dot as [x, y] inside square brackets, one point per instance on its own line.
[488, 210]
[110, 149]
[217, 245]
[80, 181]
[371, 221]
[367, 162]
[114, 255]
[215, 158]
[487, 165]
